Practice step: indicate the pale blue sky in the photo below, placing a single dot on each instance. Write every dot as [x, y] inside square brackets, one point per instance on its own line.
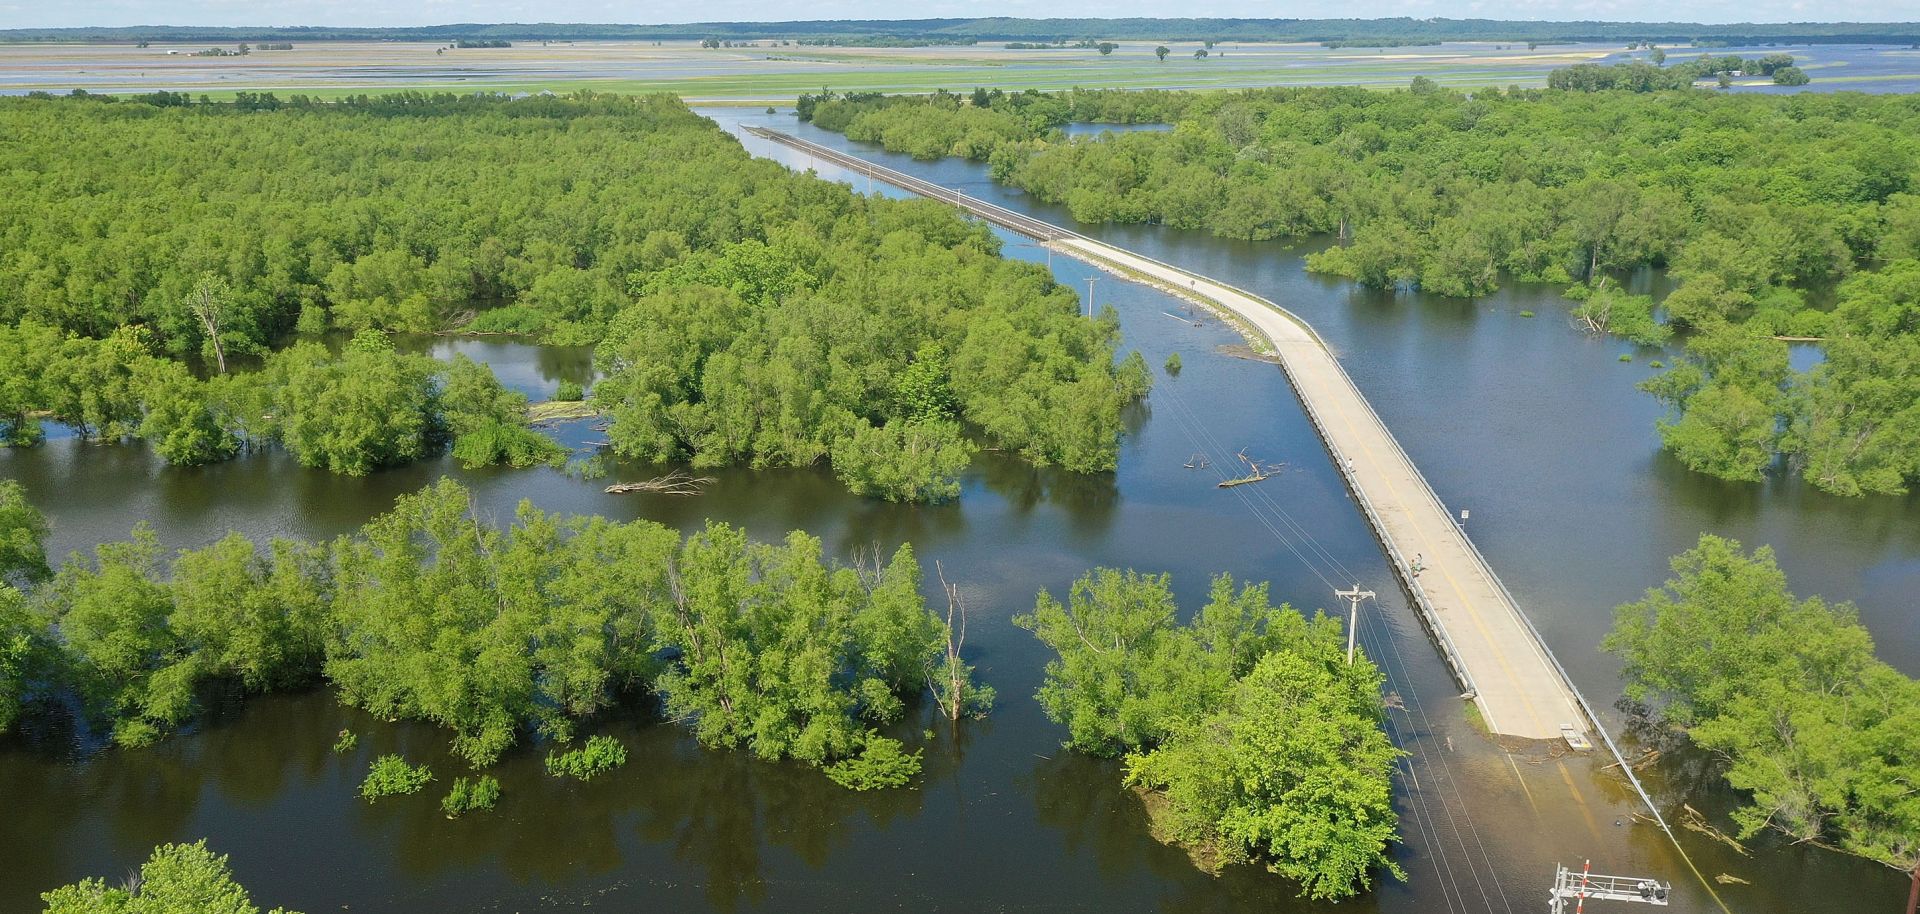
[51, 13]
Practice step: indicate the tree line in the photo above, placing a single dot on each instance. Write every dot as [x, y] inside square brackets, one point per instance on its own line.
[1366, 32]
[497, 634]
[1263, 744]
[354, 411]
[251, 225]
[1639, 76]
[1761, 206]
[973, 126]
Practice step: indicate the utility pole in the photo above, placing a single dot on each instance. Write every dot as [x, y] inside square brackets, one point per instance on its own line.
[1090, 282]
[1353, 595]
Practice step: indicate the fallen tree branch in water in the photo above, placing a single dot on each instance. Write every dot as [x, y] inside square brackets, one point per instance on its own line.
[674, 483]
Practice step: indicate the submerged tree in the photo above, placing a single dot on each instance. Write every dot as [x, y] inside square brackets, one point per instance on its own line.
[785, 655]
[176, 879]
[1293, 772]
[1266, 745]
[1819, 734]
[23, 537]
[492, 632]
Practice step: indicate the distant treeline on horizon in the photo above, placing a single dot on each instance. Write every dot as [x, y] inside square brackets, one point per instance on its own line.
[950, 31]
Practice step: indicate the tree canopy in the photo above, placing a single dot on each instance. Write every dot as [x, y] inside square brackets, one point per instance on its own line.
[499, 633]
[1265, 745]
[1820, 736]
[1456, 192]
[742, 313]
[176, 879]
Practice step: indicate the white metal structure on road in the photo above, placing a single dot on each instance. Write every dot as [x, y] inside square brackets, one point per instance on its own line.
[1578, 887]
[1495, 653]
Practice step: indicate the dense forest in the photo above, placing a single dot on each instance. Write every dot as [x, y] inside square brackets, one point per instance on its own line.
[1370, 32]
[1256, 739]
[747, 313]
[497, 635]
[1781, 217]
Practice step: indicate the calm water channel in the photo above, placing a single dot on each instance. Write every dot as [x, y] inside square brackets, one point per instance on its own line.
[1533, 427]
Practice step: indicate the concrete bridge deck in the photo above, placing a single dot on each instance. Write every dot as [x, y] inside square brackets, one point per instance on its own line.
[1495, 653]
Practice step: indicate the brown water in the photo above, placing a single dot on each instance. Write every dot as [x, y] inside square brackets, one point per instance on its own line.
[1532, 426]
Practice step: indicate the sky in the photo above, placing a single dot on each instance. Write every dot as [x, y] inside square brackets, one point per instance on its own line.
[49, 14]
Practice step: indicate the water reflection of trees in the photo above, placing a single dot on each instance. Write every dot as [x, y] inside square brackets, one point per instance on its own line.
[1088, 501]
[714, 812]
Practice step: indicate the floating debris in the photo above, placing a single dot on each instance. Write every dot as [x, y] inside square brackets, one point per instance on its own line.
[674, 483]
[1260, 472]
[560, 411]
[1692, 820]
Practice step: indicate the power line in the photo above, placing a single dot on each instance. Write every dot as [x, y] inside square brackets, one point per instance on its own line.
[1424, 822]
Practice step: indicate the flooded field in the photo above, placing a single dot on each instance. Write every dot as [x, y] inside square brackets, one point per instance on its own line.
[770, 73]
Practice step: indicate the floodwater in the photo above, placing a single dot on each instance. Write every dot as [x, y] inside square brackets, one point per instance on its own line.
[1530, 425]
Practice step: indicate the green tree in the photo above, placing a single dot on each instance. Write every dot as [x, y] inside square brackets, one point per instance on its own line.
[257, 619]
[778, 652]
[25, 654]
[904, 460]
[181, 421]
[391, 776]
[112, 617]
[489, 632]
[1265, 743]
[1126, 672]
[1856, 416]
[176, 879]
[1295, 772]
[1609, 310]
[23, 537]
[369, 408]
[1817, 733]
[466, 796]
[93, 386]
[1162, 52]
[487, 421]
[600, 755]
[1728, 397]
[26, 351]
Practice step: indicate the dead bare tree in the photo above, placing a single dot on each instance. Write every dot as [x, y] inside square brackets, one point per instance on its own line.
[1596, 313]
[674, 483]
[951, 687]
[208, 301]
